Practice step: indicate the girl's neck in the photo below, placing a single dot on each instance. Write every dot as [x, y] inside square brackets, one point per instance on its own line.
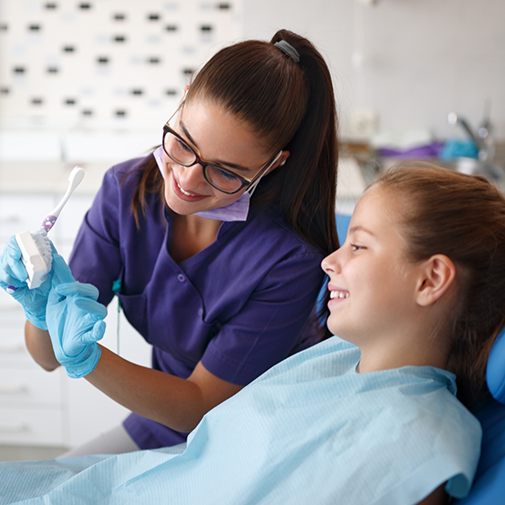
[376, 360]
[419, 345]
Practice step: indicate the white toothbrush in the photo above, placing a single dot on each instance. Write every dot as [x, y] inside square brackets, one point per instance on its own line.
[74, 179]
[35, 247]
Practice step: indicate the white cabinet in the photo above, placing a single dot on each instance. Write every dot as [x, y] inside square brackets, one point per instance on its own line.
[32, 426]
[31, 400]
[48, 408]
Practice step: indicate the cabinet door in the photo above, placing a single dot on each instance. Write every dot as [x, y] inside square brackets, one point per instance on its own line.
[31, 426]
[30, 387]
[12, 338]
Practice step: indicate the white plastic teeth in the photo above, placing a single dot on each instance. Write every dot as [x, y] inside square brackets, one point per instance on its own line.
[339, 294]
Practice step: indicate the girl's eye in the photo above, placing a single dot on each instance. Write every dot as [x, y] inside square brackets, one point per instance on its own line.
[356, 247]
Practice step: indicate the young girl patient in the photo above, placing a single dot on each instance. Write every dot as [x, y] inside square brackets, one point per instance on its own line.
[417, 294]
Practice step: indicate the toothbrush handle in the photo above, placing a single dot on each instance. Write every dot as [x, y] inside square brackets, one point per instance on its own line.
[74, 180]
[56, 211]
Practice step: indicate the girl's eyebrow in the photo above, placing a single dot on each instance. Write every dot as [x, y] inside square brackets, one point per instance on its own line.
[361, 228]
[217, 162]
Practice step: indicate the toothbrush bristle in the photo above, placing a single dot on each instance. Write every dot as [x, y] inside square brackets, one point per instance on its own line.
[48, 222]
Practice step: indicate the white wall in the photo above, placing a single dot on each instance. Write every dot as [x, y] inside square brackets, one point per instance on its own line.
[409, 61]
[421, 59]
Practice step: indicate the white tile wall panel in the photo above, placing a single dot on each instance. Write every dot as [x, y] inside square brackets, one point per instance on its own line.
[105, 63]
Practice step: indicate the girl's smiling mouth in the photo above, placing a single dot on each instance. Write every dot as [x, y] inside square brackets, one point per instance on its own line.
[339, 294]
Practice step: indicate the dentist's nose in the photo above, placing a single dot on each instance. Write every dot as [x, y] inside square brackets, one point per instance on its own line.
[191, 177]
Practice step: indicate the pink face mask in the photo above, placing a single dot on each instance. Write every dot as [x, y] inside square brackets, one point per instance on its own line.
[237, 211]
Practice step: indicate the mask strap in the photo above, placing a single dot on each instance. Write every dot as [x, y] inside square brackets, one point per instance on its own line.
[252, 188]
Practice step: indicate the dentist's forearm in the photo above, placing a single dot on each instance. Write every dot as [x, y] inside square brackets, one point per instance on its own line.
[177, 403]
[39, 346]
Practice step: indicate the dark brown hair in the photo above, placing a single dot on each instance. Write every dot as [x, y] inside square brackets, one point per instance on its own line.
[289, 106]
[462, 217]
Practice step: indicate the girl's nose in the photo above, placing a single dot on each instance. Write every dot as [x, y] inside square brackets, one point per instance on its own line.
[331, 263]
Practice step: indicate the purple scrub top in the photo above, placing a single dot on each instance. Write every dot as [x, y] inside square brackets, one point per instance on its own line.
[240, 306]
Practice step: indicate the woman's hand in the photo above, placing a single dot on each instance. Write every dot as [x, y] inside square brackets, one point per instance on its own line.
[74, 320]
[13, 273]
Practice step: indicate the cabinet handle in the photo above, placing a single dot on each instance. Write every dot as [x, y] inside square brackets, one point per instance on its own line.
[13, 389]
[10, 218]
[14, 428]
[12, 349]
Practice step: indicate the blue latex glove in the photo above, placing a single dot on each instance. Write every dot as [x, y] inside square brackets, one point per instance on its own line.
[13, 273]
[74, 320]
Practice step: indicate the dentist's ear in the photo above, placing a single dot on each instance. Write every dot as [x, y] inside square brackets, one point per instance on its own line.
[436, 277]
[283, 158]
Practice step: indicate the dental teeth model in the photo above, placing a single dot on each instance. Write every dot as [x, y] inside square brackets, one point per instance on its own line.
[35, 247]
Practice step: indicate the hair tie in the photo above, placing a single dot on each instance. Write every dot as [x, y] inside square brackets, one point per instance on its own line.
[288, 49]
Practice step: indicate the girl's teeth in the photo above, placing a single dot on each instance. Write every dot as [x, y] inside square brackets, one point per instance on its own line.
[339, 294]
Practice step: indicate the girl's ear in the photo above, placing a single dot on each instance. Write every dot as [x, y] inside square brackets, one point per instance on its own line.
[436, 277]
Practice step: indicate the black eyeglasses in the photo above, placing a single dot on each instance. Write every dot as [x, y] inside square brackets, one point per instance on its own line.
[218, 177]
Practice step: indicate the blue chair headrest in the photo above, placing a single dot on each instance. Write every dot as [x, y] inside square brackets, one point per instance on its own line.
[343, 221]
[495, 372]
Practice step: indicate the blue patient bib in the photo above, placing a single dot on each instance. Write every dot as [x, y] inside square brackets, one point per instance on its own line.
[309, 431]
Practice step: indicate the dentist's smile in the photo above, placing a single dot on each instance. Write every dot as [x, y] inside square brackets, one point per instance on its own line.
[185, 192]
[185, 195]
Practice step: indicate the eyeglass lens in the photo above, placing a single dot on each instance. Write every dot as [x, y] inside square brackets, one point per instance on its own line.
[184, 155]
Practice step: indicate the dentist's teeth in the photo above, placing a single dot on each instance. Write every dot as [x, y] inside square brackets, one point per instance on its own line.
[185, 192]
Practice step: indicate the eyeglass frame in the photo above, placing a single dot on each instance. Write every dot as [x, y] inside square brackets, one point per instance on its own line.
[245, 181]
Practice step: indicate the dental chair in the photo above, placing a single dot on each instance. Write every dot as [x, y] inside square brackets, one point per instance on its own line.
[489, 483]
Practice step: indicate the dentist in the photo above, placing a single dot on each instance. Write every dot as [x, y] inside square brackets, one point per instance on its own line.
[221, 283]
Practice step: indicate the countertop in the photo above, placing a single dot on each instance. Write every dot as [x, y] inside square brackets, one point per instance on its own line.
[50, 178]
